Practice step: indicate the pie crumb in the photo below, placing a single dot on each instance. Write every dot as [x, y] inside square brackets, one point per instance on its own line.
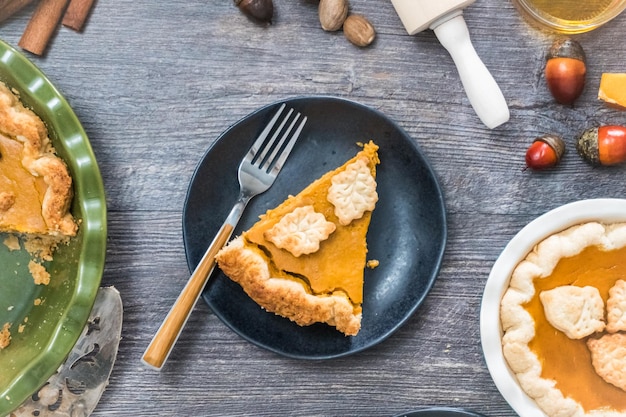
[39, 273]
[43, 247]
[7, 200]
[12, 242]
[5, 335]
[373, 263]
[40, 248]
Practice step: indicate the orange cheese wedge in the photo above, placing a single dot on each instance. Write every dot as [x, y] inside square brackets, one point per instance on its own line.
[613, 90]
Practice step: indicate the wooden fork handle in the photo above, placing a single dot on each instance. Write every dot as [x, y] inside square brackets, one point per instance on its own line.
[159, 349]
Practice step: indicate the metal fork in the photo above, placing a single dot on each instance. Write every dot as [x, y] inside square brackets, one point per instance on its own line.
[256, 173]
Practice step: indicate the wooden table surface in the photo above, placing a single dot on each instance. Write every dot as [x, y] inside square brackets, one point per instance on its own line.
[155, 83]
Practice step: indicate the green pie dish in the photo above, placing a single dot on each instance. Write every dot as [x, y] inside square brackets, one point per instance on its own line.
[50, 330]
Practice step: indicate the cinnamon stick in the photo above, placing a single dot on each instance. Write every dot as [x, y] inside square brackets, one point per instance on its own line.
[9, 7]
[42, 25]
[77, 13]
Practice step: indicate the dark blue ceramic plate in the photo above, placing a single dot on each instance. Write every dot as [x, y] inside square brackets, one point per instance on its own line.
[407, 233]
[440, 412]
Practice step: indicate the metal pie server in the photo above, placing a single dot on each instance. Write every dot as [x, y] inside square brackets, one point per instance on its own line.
[76, 388]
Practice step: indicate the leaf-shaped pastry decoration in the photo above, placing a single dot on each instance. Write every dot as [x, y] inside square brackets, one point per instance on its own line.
[353, 192]
[576, 311]
[616, 307]
[608, 355]
[301, 231]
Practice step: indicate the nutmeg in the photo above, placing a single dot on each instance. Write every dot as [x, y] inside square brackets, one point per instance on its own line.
[332, 14]
[359, 30]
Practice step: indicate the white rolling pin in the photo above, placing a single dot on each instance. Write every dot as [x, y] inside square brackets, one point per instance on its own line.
[445, 18]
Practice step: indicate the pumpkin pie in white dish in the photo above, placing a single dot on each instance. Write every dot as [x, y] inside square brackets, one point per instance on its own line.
[555, 317]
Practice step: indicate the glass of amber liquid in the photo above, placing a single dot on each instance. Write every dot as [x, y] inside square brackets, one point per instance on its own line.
[570, 16]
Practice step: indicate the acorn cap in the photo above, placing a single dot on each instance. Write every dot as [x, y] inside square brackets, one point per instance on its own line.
[556, 143]
[587, 146]
[566, 48]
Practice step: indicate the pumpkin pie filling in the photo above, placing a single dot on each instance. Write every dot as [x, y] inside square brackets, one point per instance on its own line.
[568, 361]
[324, 271]
[327, 280]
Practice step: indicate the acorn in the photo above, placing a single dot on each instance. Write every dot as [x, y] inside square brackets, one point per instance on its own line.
[566, 70]
[545, 152]
[260, 11]
[604, 145]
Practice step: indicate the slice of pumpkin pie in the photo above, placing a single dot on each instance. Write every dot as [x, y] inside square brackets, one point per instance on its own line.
[304, 259]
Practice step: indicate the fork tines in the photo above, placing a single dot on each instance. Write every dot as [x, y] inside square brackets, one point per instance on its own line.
[276, 148]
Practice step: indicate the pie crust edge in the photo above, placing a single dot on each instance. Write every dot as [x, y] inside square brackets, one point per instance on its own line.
[282, 296]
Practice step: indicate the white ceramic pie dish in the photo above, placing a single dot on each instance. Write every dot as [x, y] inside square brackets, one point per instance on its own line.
[554, 221]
